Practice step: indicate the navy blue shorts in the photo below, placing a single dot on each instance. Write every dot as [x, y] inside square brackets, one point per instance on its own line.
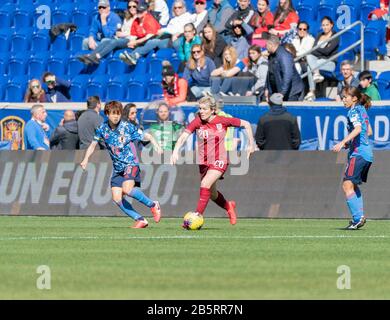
[130, 173]
[357, 170]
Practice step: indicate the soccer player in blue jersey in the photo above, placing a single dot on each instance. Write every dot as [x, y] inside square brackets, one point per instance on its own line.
[117, 135]
[360, 156]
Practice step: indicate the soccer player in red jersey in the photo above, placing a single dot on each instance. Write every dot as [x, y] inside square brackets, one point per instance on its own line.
[211, 131]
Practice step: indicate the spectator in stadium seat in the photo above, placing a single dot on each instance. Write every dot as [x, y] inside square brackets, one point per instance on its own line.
[65, 136]
[165, 36]
[240, 38]
[213, 44]
[320, 55]
[58, 90]
[104, 26]
[369, 87]
[381, 11]
[277, 129]
[175, 89]
[165, 132]
[349, 80]
[130, 114]
[258, 66]
[219, 13]
[120, 41]
[198, 71]
[159, 10]
[261, 22]
[89, 121]
[285, 21]
[244, 12]
[34, 92]
[200, 17]
[184, 44]
[282, 77]
[303, 42]
[36, 131]
[225, 80]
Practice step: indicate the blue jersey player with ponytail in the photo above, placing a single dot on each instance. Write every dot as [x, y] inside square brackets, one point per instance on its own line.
[360, 156]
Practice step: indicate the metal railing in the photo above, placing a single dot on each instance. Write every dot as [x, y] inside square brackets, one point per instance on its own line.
[334, 57]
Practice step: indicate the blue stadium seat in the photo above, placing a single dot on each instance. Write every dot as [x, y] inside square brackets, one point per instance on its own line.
[384, 88]
[77, 88]
[372, 44]
[326, 10]
[334, 3]
[37, 65]
[14, 92]
[59, 44]
[135, 91]
[175, 62]
[154, 88]
[6, 15]
[76, 41]
[115, 91]
[4, 57]
[306, 13]
[384, 75]
[21, 40]
[97, 86]
[365, 9]
[116, 66]
[348, 8]
[81, 18]
[99, 69]
[155, 66]
[140, 70]
[58, 63]
[40, 41]
[4, 42]
[307, 3]
[75, 66]
[23, 15]
[63, 13]
[165, 53]
[17, 64]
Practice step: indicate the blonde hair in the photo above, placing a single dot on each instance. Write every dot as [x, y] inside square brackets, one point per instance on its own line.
[210, 102]
[233, 54]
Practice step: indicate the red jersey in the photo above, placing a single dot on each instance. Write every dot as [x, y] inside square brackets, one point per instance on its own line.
[211, 138]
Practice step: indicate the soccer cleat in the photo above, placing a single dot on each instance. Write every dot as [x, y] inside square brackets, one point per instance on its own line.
[231, 212]
[139, 224]
[356, 225]
[156, 211]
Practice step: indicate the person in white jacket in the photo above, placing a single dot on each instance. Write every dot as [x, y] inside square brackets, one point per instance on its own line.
[165, 36]
[303, 42]
[160, 7]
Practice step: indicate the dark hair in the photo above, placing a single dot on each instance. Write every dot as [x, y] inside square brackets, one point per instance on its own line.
[305, 23]
[365, 75]
[282, 13]
[113, 107]
[259, 19]
[47, 74]
[290, 48]
[253, 48]
[329, 19]
[126, 111]
[92, 102]
[363, 99]
[209, 45]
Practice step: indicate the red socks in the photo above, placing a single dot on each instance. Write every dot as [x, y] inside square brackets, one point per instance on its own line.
[204, 198]
[221, 201]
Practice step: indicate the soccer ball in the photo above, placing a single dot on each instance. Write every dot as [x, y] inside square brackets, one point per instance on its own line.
[193, 221]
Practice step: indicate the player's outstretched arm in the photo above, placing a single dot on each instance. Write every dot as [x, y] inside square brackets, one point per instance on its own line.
[354, 133]
[249, 133]
[182, 139]
[88, 153]
[157, 147]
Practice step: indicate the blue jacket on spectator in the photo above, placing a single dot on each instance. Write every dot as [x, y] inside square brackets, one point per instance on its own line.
[98, 32]
[283, 77]
[34, 136]
[62, 90]
[199, 78]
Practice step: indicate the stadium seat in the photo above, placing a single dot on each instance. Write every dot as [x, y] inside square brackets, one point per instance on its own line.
[14, 92]
[6, 15]
[97, 86]
[155, 66]
[99, 69]
[116, 66]
[81, 18]
[63, 13]
[37, 65]
[23, 16]
[372, 44]
[4, 42]
[76, 41]
[153, 89]
[306, 13]
[384, 75]
[59, 44]
[40, 41]
[58, 62]
[21, 40]
[115, 91]
[326, 10]
[4, 57]
[365, 9]
[175, 61]
[384, 88]
[17, 64]
[77, 88]
[135, 91]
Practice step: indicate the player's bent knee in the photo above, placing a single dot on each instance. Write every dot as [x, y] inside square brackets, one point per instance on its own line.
[117, 199]
[348, 186]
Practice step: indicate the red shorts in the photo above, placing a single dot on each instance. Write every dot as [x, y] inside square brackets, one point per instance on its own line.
[218, 165]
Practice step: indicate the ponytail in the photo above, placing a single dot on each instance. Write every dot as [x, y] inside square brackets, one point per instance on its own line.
[365, 101]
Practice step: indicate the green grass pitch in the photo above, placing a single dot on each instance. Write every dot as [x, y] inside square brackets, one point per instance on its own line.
[101, 258]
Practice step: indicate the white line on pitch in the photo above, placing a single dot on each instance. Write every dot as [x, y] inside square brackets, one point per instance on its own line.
[193, 237]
